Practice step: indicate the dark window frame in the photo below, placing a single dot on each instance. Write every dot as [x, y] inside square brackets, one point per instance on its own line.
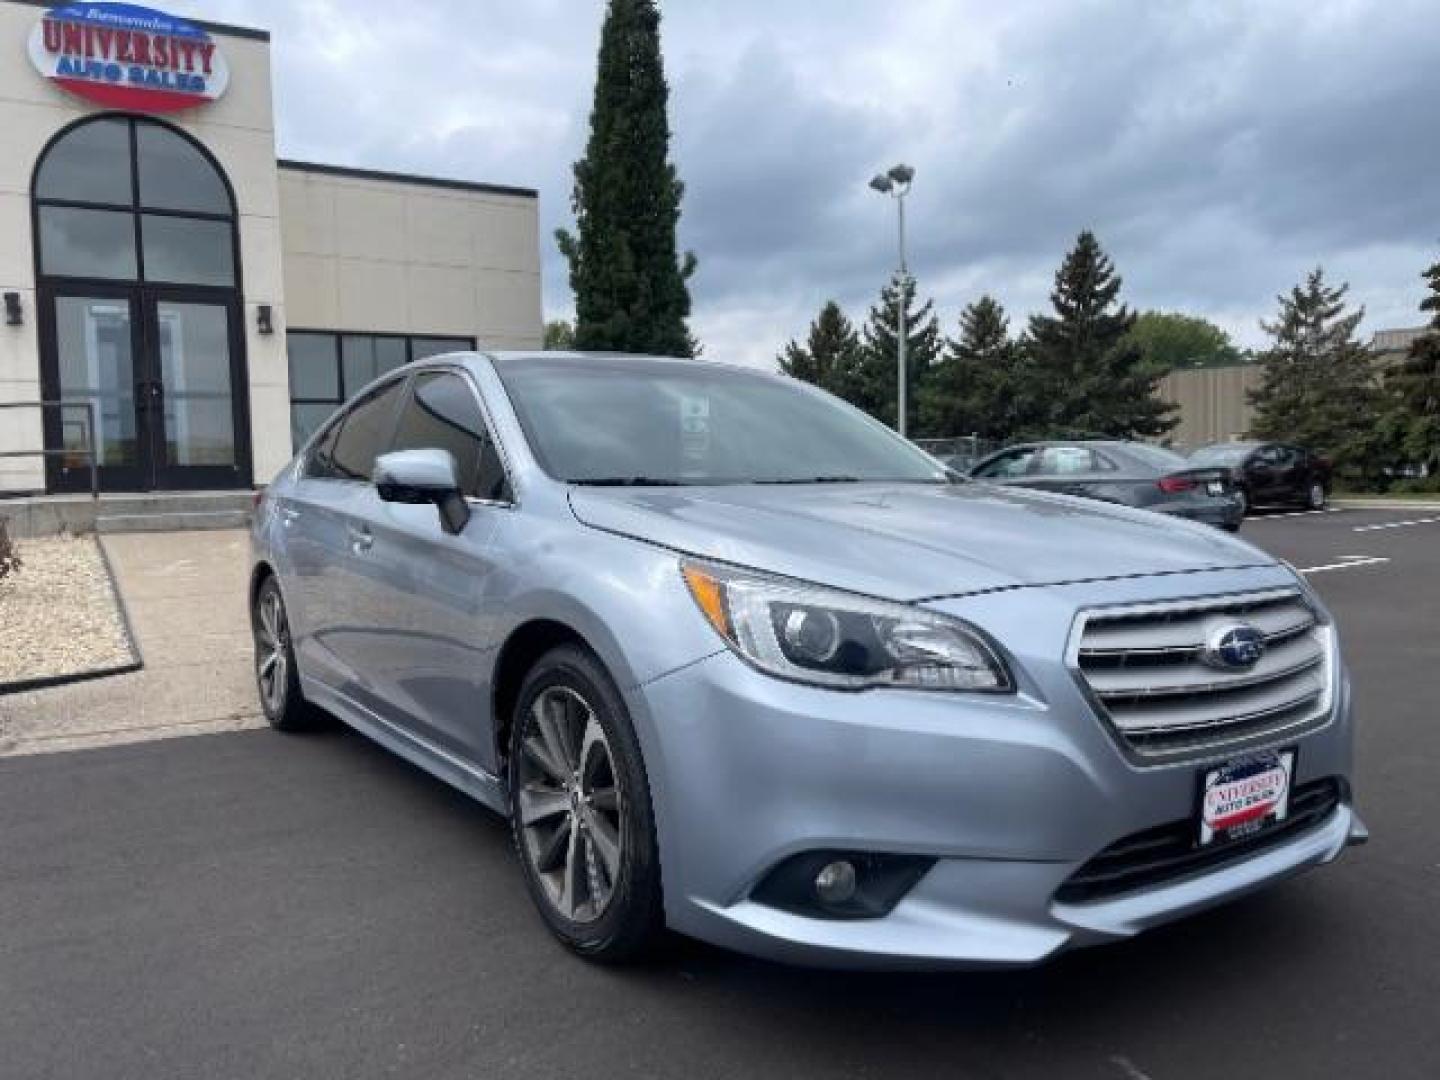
[338, 358]
[135, 207]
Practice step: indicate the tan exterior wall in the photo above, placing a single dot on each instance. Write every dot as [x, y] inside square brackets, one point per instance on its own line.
[324, 251]
[363, 253]
[1213, 403]
[239, 130]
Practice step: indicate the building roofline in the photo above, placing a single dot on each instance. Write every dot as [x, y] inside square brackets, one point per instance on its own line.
[406, 178]
[226, 29]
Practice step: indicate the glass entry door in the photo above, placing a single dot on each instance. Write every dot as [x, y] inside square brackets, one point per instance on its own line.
[195, 419]
[157, 370]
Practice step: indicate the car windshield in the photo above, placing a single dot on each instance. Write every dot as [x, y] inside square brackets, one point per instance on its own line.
[612, 420]
[1221, 454]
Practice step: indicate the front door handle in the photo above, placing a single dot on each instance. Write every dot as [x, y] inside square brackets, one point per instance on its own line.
[361, 540]
[288, 516]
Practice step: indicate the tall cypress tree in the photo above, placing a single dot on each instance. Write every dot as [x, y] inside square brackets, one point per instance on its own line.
[630, 291]
[1317, 386]
[876, 380]
[1097, 380]
[1413, 389]
[831, 355]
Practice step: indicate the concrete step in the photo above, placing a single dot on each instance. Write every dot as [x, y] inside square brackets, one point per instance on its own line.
[177, 521]
[47, 515]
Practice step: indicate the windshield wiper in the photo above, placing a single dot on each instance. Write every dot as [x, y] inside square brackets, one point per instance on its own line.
[624, 481]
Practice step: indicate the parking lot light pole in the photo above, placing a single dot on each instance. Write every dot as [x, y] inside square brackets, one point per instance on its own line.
[896, 183]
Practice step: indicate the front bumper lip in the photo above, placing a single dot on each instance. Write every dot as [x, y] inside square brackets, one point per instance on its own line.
[948, 920]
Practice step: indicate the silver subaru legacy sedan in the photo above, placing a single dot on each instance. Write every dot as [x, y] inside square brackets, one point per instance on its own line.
[736, 660]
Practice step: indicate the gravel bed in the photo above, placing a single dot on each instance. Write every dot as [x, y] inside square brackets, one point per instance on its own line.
[58, 613]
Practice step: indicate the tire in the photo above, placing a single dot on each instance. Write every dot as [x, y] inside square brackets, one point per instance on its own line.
[1315, 496]
[1243, 497]
[277, 678]
[580, 810]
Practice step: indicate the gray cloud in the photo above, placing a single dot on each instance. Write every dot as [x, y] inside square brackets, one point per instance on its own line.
[1218, 149]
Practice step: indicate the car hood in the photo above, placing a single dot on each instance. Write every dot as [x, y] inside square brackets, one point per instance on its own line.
[912, 541]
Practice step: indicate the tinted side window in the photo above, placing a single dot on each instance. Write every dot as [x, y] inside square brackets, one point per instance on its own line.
[1015, 463]
[442, 412]
[365, 433]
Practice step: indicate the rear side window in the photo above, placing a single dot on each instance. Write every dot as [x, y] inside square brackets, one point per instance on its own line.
[442, 412]
[1015, 463]
[320, 463]
[1065, 460]
[365, 433]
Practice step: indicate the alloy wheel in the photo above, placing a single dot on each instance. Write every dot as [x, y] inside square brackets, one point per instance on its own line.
[569, 803]
[272, 652]
[1317, 496]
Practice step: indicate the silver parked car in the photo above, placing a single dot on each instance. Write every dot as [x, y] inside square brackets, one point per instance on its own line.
[737, 660]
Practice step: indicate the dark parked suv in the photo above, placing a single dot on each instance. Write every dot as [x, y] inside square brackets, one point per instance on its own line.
[1269, 474]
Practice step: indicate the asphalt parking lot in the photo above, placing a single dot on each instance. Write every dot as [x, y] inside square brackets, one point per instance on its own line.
[247, 905]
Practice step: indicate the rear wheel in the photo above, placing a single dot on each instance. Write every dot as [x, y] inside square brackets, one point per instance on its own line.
[1243, 499]
[1315, 497]
[580, 809]
[276, 676]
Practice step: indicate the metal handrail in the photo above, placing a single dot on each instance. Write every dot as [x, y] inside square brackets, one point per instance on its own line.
[91, 426]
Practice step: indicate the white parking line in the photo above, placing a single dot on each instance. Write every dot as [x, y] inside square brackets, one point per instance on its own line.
[1294, 514]
[1397, 524]
[1348, 561]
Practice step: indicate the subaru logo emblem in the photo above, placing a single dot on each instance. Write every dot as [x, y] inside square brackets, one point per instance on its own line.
[1234, 646]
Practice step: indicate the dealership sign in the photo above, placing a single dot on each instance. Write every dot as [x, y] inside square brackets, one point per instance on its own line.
[128, 57]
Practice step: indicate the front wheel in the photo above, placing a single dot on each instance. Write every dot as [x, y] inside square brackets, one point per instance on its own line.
[1315, 497]
[1243, 499]
[580, 809]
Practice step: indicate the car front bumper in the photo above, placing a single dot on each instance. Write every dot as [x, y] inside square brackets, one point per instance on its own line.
[1009, 794]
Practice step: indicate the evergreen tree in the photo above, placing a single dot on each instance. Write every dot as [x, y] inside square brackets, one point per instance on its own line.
[1317, 387]
[1413, 388]
[1095, 377]
[875, 384]
[960, 396]
[831, 356]
[630, 291]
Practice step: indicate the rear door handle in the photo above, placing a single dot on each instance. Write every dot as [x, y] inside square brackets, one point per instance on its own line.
[361, 540]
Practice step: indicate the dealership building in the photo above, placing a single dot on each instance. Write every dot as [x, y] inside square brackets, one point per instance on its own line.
[202, 303]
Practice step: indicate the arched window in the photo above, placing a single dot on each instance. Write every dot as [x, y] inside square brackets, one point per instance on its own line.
[122, 198]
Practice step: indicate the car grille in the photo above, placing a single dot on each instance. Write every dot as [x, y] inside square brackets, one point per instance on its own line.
[1168, 853]
[1145, 669]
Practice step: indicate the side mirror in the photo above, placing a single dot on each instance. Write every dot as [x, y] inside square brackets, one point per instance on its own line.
[423, 476]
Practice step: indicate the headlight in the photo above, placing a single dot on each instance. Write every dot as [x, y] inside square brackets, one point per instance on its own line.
[831, 638]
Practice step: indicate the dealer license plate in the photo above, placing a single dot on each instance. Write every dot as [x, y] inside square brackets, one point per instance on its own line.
[1215, 487]
[1244, 796]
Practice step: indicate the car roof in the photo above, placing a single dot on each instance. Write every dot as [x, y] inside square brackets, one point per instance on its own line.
[617, 362]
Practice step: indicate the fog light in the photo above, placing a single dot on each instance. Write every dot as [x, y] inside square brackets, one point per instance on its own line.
[835, 884]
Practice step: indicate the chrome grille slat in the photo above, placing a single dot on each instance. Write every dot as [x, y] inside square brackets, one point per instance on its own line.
[1145, 670]
[1195, 677]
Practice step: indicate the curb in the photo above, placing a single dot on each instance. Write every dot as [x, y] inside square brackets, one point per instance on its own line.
[46, 682]
[1386, 504]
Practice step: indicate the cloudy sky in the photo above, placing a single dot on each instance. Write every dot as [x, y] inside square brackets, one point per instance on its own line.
[1219, 148]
